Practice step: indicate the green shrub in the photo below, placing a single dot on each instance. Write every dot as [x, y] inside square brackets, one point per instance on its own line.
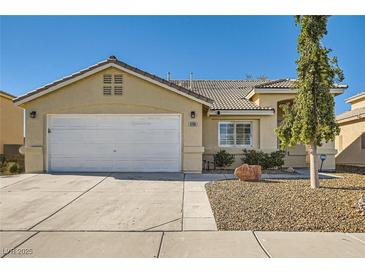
[14, 168]
[3, 166]
[277, 158]
[223, 159]
[266, 160]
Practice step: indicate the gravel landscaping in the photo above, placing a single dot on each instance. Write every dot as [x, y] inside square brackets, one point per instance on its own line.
[289, 205]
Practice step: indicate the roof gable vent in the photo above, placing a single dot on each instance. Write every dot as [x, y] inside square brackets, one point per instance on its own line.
[118, 79]
[107, 78]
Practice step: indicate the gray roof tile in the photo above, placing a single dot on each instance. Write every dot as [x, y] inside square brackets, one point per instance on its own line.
[227, 94]
[286, 83]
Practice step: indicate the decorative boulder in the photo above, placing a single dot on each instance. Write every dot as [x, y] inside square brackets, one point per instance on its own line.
[248, 172]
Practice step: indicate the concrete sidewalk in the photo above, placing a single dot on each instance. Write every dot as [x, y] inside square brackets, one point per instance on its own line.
[197, 244]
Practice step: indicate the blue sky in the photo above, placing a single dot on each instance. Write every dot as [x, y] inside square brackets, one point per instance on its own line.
[36, 50]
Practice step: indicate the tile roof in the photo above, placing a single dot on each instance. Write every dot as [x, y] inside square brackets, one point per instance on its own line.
[281, 83]
[286, 83]
[356, 113]
[114, 60]
[227, 94]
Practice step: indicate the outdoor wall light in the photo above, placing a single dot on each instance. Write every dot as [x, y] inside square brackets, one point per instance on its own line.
[192, 114]
[33, 114]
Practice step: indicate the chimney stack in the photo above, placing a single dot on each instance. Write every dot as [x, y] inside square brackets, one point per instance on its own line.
[191, 80]
[168, 76]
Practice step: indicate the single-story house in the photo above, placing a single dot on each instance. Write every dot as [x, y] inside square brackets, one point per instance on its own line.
[115, 117]
[11, 122]
[350, 144]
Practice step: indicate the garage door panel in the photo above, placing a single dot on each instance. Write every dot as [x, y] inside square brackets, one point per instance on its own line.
[80, 136]
[146, 165]
[81, 164]
[156, 150]
[116, 150]
[90, 122]
[105, 150]
[114, 136]
[114, 143]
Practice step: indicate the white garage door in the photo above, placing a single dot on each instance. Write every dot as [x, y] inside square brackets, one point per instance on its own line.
[91, 143]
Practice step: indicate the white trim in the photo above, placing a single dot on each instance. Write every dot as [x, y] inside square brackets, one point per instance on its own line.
[179, 115]
[254, 91]
[98, 69]
[356, 97]
[241, 112]
[245, 122]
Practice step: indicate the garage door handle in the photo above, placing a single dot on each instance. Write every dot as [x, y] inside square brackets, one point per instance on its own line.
[114, 150]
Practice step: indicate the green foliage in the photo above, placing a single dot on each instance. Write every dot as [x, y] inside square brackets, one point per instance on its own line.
[266, 160]
[14, 168]
[311, 118]
[3, 165]
[223, 159]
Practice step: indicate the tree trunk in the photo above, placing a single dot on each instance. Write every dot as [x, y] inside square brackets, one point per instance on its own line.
[313, 165]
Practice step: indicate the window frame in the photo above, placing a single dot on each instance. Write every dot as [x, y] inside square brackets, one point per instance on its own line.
[235, 133]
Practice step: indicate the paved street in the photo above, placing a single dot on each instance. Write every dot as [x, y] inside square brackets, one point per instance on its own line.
[138, 215]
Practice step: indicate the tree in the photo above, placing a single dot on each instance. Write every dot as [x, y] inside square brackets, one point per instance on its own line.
[310, 120]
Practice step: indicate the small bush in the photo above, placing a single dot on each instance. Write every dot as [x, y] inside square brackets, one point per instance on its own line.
[3, 166]
[223, 159]
[14, 168]
[266, 160]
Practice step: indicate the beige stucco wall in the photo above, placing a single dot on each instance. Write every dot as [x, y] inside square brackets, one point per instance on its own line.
[348, 143]
[86, 97]
[210, 136]
[264, 137]
[11, 123]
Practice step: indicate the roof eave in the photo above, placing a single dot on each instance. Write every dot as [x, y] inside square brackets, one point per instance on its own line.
[246, 112]
[350, 119]
[6, 95]
[355, 97]
[336, 91]
[104, 65]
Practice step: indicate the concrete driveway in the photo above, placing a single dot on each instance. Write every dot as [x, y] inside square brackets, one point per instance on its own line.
[138, 215]
[117, 202]
[104, 202]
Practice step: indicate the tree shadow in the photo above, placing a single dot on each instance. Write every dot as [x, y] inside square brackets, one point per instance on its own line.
[344, 187]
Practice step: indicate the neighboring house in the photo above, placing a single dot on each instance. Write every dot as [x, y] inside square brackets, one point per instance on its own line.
[115, 117]
[11, 122]
[350, 144]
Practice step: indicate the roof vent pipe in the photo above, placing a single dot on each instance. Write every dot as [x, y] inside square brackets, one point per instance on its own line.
[113, 58]
[191, 80]
[168, 76]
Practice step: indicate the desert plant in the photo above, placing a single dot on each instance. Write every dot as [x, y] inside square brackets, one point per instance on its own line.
[266, 160]
[223, 159]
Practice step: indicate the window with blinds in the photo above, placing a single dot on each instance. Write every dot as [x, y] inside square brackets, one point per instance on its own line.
[235, 134]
